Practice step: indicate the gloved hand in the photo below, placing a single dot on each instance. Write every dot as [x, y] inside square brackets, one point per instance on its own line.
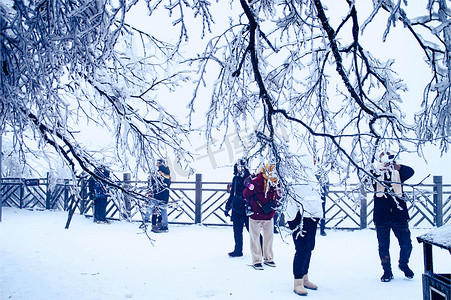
[226, 213]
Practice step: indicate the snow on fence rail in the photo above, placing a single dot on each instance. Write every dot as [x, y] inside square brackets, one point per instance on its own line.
[203, 202]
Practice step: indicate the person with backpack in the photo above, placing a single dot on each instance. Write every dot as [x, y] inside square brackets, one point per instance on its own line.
[236, 203]
[159, 192]
[262, 193]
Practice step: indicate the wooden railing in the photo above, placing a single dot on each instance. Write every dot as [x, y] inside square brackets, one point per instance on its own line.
[202, 202]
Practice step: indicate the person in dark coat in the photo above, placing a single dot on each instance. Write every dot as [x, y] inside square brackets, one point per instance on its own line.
[262, 191]
[236, 203]
[159, 192]
[100, 196]
[390, 213]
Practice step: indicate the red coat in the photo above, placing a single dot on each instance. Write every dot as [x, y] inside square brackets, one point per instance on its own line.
[259, 192]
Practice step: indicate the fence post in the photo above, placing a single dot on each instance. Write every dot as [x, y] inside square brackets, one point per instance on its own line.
[127, 178]
[48, 193]
[22, 192]
[438, 200]
[198, 204]
[66, 194]
[83, 194]
[363, 208]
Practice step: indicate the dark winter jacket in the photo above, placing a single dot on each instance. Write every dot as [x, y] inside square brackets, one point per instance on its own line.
[258, 193]
[161, 183]
[236, 201]
[91, 186]
[99, 191]
[385, 207]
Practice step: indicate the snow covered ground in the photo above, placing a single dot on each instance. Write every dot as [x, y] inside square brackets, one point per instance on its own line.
[39, 259]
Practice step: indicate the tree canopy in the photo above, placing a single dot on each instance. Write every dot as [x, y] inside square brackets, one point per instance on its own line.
[299, 65]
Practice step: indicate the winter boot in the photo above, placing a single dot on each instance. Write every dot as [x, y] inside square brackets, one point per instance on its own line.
[155, 228]
[299, 287]
[235, 254]
[308, 284]
[387, 276]
[163, 229]
[270, 264]
[407, 271]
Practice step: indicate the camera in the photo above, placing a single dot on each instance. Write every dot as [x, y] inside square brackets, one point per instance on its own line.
[388, 158]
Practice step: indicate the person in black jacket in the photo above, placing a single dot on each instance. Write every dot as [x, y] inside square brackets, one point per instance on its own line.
[390, 213]
[236, 203]
[159, 193]
[100, 196]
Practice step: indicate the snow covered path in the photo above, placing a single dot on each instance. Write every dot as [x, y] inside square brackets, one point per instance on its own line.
[39, 259]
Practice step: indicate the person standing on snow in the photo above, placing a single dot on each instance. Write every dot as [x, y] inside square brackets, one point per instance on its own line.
[323, 179]
[262, 195]
[390, 213]
[236, 203]
[100, 196]
[303, 211]
[159, 185]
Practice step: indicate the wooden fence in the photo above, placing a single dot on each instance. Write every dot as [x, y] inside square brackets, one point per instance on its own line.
[201, 202]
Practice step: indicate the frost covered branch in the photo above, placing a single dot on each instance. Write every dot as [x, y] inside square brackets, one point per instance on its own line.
[279, 71]
[69, 63]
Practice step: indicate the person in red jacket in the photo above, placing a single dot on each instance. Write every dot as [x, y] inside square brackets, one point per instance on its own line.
[262, 195]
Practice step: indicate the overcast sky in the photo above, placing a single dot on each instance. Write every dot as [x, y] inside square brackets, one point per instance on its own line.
[399, 46]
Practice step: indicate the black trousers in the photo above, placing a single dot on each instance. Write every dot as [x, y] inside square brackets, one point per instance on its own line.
[322, 223]
[239, 222]
[402, 233]
[304, 244]
[100, 204]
